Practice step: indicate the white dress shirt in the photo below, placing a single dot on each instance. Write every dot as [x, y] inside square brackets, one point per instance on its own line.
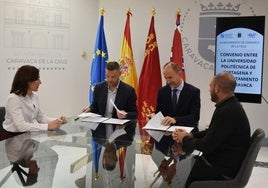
[24, 114]
[109, 109]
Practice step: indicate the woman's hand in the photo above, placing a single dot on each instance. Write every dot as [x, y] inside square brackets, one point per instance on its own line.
[54, 124]
[63, 119]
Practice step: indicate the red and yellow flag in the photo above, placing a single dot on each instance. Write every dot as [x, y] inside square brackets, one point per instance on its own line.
[129, 76]
[176, 49]
[128, 68]
[150, 78]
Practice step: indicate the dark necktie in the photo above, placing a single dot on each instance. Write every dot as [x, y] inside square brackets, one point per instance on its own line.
[174, 97]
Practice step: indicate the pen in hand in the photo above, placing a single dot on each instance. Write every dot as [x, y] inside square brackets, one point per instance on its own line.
[86, 109]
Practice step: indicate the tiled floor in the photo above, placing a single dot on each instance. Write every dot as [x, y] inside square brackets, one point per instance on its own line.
[259, 176]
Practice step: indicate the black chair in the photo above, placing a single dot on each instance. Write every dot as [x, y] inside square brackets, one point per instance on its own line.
[244, 172]
[2, 116]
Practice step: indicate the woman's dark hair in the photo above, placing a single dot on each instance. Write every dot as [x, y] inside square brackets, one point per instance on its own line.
[23, 76]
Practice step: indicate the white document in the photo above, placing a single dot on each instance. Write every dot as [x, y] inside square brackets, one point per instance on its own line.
[94, 119]
[105, 120]
[116, 133]
[116, 121]
[88, 114]
[187, 129]
[155, 123]
[120, 111]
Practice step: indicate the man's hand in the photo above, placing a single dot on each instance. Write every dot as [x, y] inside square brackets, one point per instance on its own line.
[122, 114]
[86, 109]
[168, 121]
[179, 134]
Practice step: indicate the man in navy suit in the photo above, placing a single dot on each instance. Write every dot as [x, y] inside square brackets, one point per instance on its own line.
[122, 94]
[186, 109]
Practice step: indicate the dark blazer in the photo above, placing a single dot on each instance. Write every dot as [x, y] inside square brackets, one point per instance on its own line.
[187, 111]
[125, 100]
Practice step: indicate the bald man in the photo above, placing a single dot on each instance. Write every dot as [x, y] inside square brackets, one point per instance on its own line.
[225, 142]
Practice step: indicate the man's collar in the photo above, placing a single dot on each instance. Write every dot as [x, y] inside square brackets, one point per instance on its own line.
[180, 87]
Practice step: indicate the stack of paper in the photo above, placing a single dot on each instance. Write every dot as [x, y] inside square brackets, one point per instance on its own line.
[155, 124]
[97, 118]
[156, 129]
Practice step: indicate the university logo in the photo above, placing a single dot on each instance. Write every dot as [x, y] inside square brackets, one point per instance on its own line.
[207, 11]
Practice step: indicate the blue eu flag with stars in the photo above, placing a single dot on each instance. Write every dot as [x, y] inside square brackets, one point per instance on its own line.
[100, 58]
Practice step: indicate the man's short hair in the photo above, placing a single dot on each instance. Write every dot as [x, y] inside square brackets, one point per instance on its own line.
[174, 66]
[113, 65]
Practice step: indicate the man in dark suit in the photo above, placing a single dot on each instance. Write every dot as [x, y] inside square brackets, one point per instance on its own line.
[185, 110]
[178, 101]
[122, 94]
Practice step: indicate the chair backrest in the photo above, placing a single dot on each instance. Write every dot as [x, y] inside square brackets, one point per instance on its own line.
[245, 171]
[2, 116]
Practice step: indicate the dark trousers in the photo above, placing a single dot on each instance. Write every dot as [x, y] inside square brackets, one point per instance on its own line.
[202, 171]
[6, 134]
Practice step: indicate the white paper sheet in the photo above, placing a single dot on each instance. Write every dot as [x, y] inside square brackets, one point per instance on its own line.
[120, 111]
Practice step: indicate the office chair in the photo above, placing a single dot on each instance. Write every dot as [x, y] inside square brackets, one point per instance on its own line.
[244, 173]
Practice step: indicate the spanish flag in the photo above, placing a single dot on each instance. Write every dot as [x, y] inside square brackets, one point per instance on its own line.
[128, 75]
[128, 68]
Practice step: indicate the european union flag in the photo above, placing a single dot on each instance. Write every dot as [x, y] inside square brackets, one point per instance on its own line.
[100, 59]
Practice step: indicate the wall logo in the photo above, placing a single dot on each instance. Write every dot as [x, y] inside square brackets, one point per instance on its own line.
[199, 43]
